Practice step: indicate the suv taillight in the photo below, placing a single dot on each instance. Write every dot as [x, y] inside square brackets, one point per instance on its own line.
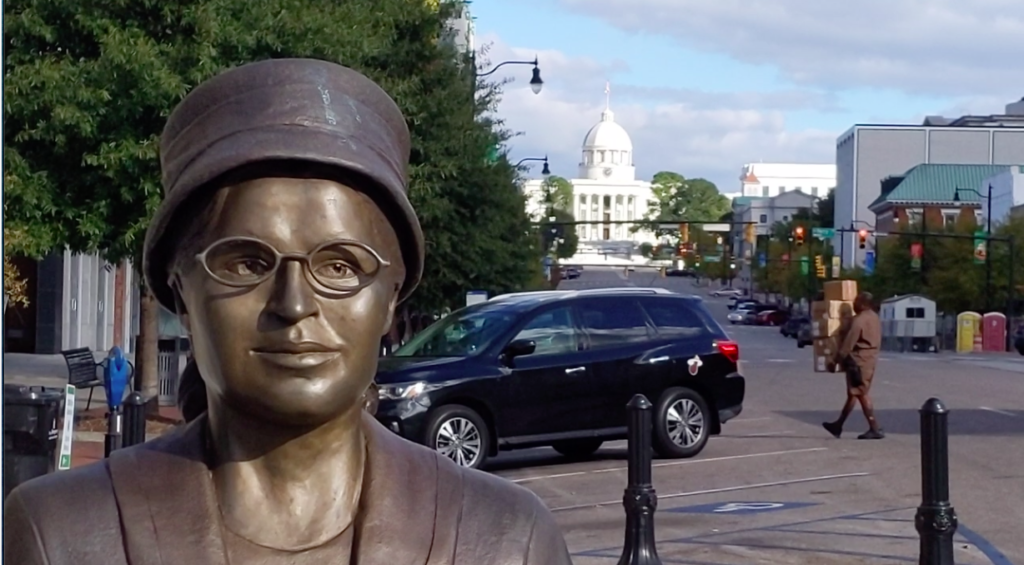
[730, 349]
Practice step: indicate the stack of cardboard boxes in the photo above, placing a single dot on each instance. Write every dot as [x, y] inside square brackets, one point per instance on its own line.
[830, 319]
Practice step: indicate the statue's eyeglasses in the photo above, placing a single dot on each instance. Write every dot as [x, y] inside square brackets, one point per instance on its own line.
[341, 265]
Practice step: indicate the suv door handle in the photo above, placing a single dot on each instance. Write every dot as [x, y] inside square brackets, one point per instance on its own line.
[661, 359]
[572, 370]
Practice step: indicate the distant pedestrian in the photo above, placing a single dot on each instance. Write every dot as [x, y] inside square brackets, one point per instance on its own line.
[858, 355]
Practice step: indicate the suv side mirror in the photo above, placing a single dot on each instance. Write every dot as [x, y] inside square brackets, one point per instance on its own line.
[518, 348]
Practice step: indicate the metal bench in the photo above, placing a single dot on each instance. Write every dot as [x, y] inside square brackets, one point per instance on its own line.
[82, 370]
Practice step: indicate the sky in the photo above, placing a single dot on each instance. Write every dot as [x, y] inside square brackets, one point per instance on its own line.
[706, 86]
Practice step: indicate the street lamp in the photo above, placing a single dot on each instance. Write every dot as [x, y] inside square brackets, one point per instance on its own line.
[988, 230]
[545, 171]
[536, 84]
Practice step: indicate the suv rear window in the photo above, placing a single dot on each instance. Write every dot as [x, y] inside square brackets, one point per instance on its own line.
[675, 318]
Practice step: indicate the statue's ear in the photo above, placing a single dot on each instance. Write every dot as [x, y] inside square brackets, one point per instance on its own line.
[392, 306]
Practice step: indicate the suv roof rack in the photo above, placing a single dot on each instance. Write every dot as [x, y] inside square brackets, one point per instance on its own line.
[622, 290]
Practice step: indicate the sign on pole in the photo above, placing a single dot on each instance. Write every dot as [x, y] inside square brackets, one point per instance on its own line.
[823, 233]
[836, 267]
[916, 252]
[68, 431]
[980, 247]
[869, 262]
[762, 259]
[805, 265]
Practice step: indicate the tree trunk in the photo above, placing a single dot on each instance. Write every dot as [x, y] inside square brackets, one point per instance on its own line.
[146, 355]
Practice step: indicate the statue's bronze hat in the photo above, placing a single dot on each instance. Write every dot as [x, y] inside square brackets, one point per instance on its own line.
[293, 110]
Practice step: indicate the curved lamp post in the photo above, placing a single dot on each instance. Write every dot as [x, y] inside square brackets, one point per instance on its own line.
[545, 171]
[536, 84]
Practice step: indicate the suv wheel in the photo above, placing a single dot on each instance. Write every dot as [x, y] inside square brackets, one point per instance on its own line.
[681, 423]
[578, 448]
[460, 434]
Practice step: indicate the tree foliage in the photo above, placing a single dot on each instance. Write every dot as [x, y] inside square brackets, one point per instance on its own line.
[559, 235]
[679, 198]
[557, 192]
[88, 88]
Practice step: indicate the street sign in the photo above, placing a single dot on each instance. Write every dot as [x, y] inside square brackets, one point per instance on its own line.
[68, 431]
[823, 233]
[715, 227]
[869, 262]
[805, 265]
[980, 247]
[713, 258]
[734, 508]
[762, 259]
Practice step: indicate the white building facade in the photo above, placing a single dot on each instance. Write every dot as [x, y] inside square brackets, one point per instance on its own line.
[766, 180]
[606, 190]
[1007, 193]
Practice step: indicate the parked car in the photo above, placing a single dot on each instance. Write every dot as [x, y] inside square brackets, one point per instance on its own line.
[680, 273]
[557, 369]
[792, 325]
[803, 334]
[738, 315]
[772, 318]
[750, 318]
[736, 301]
[727, 291]
[571, 273]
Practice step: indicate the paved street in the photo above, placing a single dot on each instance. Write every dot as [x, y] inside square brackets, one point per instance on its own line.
[775, 488]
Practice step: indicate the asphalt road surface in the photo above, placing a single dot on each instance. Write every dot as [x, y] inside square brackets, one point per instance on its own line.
[776, 488]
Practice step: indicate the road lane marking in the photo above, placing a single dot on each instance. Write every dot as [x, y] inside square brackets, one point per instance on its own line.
[670, 464]
[720, 490]
[998, 411]
[745, 420]
[761, 434]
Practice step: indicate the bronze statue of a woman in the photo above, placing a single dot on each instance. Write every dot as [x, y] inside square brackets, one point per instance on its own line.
[284, 242]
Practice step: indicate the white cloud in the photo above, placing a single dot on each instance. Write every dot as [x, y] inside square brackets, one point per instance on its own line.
[932, 47]
[695, 133]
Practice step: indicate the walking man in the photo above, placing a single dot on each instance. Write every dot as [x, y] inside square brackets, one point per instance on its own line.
[858, 355]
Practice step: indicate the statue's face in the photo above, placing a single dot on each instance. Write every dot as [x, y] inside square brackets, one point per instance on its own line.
[298, 344]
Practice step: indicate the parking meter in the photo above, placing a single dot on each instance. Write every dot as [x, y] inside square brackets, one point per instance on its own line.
[115, 378]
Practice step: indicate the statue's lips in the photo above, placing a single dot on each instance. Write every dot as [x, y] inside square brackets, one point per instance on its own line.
[304, 355]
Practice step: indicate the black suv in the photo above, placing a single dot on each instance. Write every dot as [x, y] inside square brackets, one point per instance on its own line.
[557, 368]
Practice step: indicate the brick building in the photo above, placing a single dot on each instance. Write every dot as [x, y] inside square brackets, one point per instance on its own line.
[935, 196]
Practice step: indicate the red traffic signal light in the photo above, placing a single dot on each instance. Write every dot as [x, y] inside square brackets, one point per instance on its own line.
[863, 235]
[798, 235]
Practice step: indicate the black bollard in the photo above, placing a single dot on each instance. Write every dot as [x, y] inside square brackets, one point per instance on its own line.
[640, 499]
[112, 439]
[936, 520]
[134, 420]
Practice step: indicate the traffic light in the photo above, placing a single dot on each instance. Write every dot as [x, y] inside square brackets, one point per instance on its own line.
[863, 236]
[819, 265]
[798, 235]
[684, 232]
[749, 234]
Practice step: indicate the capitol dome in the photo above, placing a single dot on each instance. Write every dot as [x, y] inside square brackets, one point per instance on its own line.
[607, 151]
[607, 134]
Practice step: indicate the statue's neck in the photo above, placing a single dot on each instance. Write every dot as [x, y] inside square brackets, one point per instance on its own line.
[287, 487]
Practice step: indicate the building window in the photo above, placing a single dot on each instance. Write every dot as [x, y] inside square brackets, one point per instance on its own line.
[763, 219]
[764, 191]
[785, 218]
[913, 216]
[949, 219]
[915, 313]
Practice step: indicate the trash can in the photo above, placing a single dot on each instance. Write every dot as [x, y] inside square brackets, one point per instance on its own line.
[30, 432]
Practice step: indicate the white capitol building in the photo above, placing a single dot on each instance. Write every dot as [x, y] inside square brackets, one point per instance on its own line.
[607, 190]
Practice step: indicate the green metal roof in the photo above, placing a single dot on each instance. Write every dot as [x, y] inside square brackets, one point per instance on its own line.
[741, 201]
[925, 184]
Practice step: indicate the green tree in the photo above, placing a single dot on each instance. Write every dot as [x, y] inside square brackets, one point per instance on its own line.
[557, 192]
[679, 198]
[88, 88]
[559, 235]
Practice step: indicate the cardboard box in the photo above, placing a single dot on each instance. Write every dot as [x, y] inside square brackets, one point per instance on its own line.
[824, 352]
[845, 290]
[823, 364]
[827, 327]
[835, 309]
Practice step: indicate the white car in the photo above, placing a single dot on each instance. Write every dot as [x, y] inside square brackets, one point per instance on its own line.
[738, 315]
[726, 292]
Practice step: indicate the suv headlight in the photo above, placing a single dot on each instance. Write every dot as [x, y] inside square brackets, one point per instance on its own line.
[402, 391]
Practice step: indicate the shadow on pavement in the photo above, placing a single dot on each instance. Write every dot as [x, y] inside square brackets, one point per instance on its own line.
[963, 422]
[540, 458]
